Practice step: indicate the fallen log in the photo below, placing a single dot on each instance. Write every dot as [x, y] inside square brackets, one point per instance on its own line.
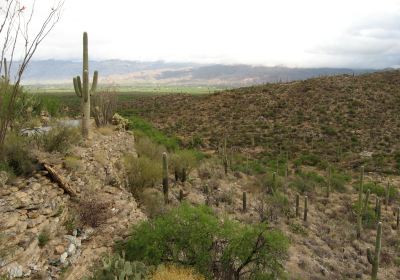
[57, 178]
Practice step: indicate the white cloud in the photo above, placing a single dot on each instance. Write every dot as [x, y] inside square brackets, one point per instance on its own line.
[358, 33]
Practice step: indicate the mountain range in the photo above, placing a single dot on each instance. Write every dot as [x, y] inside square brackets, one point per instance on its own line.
[126, 72]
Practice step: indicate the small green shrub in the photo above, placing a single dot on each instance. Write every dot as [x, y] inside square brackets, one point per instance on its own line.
[17, 156]
[298, 229]
[308, 159]
[183, 159]
[145, 147]
[369, 218]
[72, 163]
[378, 189]
[142, 173]
[138, 124]
[43, 238]
[60, 139]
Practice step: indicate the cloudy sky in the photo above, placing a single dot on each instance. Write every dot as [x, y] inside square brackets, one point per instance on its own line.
[301, 33]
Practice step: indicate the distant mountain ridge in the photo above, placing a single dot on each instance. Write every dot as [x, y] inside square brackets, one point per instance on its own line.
[168, 73]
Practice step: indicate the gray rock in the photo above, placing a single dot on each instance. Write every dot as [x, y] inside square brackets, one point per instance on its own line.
[71, 249]
[15, 271]
[63, 258]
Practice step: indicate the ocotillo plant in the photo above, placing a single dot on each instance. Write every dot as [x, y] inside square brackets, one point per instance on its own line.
[244, 201]
[374, 260]
[305, 208]
[165, 177]
[297, 204]
[82, 89]
[359, 212]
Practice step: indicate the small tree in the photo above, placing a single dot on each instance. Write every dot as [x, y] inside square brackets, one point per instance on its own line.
[195, 236]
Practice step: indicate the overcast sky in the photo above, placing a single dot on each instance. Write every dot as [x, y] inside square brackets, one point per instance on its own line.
[301, 33]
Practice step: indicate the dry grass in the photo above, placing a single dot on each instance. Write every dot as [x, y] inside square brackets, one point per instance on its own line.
[176, 273]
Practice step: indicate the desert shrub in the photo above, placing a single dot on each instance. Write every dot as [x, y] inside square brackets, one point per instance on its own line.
[277, 204]
[60, 139]
[93, 211]
[298, 229]
[378, 189]
[117, 267]
[138, 124]
[308, 159]
[72, 163]
[302, 185]
[247, 165]
[339, 180]
[153, 202]
[43, 238]
[17, 156]
[145, 147]
[267, 182]
[103, 107]
[142, 173]
[175, 272]
[216, 248]
[306, 182]
[50, 104]
[183, 159]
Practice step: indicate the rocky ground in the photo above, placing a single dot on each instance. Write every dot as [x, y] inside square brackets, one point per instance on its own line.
[35, 206]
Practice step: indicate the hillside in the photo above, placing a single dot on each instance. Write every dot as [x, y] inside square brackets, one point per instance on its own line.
[346, 119]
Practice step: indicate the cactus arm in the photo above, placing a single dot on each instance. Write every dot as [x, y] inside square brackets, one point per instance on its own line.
[375, 265]
[94, 83]
[5, 70]
[85, 52]
[78, 90]
[165, 177]
[85, 91]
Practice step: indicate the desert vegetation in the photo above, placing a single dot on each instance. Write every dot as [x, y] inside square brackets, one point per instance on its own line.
[294, 180]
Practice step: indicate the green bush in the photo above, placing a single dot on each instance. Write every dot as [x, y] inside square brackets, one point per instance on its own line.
[17, 156]
[369, 218]
[184, 159]
[138, 124]
[43, 238]
[142, 173]
[309, 159]
[146, 147]
[338, 181]
[60, 139]
[195, 236]
[379, 190]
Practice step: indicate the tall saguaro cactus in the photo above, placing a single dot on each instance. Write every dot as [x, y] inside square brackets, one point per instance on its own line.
[165, 177]
[374, 259]
[82, 88]
[360, 206]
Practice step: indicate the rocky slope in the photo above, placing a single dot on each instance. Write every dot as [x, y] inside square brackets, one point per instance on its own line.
[33, 208]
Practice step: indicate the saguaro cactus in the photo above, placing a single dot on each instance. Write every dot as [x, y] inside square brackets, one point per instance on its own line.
[360, 208]
[297, 204]
[374, 260]
[165, 177]
[305, 208]
[82, 88]
[398, 218]
[378, 209]
[244, 201]
[328, 190]
[387, 195]
[366, 201]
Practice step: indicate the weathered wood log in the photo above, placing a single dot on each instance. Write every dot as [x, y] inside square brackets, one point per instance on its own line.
[57, 178]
